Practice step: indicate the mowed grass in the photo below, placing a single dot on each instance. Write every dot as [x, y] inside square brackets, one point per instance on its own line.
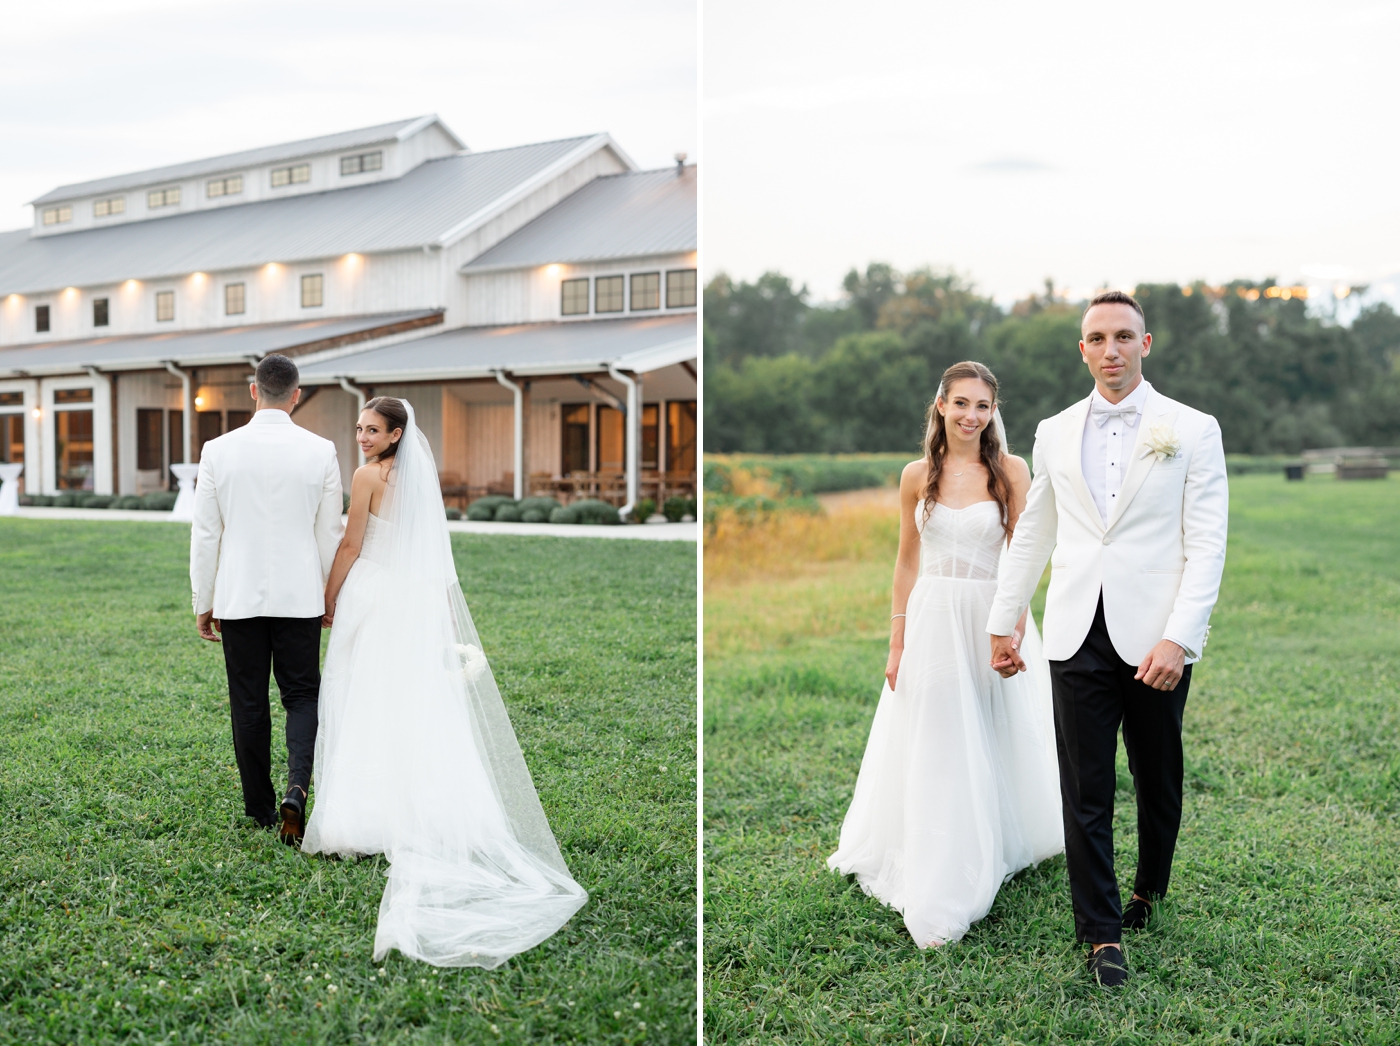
[1283, 920]
[138, 905]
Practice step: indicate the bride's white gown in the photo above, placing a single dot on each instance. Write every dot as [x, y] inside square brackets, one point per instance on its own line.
[959, 788]
[416, 758]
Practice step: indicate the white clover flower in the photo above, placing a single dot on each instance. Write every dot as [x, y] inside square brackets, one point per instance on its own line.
[332, 988]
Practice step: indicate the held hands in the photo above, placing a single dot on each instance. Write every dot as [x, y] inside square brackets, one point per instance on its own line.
[1006, 657]
[1163, 666]
[208, 624]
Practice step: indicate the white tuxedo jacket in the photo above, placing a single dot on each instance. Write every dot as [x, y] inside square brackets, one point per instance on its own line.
[1158, 560]
[267, 509]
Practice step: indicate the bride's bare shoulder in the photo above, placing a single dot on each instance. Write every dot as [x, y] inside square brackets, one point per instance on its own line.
[1016, 468]
[914, 474]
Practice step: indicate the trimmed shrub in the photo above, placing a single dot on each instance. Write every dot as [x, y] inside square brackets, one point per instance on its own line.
[159, 501]
[40, 500]
[68, 499]
[646, 508]
[97, 501]
[508, 513]
[534, 515]
[484, 509]
[675, 508]
[591, 511]
[540, 502]
[568, 514]
[452, 511]
[129, 501]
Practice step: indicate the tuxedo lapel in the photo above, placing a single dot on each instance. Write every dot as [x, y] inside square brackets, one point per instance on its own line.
[1154, 412]
[1072, 447]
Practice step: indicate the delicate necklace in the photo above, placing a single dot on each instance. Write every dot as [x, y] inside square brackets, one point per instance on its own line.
[965, 468]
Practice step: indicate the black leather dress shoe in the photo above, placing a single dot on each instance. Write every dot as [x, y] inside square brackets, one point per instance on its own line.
[1137, 913]
[1108, 967]
[293, 816]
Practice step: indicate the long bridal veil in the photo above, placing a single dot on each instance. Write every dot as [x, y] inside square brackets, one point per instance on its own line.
[475, 874]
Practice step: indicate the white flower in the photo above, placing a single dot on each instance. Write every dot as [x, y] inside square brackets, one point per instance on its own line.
[473, 661]
[1163, 441]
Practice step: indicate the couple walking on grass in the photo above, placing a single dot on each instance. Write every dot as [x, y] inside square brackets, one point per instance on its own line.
[959, 787]
[413, 753]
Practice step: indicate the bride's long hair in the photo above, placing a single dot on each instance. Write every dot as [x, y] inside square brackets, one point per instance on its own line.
[990, 446]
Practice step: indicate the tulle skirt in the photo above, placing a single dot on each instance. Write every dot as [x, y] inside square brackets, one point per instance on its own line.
[959, 787]
[399, 772]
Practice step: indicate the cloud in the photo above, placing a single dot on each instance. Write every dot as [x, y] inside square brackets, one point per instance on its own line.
[1010, 165]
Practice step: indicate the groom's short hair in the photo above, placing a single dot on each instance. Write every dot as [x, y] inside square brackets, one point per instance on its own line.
[1114, 298]
[277, 378]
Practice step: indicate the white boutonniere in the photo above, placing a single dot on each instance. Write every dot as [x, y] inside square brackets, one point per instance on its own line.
[473, 661]
[1163, 441]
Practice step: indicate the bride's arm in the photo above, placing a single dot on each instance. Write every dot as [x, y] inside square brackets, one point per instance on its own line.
[906, 564]
[361, 487]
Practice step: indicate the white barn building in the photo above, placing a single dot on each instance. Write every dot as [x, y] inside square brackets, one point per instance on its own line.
[537, 305]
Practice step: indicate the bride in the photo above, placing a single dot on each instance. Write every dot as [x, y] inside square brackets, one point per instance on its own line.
[415, 756]
[959, 787]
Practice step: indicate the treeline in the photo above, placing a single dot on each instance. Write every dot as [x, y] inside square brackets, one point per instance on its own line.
[783, 376]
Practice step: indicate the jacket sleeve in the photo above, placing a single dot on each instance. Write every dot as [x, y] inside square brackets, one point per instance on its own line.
[329, 528]
[206, 537]
[1204, 520]
[1024, 560]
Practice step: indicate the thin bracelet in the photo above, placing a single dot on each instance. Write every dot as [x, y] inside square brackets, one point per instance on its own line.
[893, 616]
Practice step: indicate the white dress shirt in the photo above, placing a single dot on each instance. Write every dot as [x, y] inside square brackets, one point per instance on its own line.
[1110, 432]
[267, 520]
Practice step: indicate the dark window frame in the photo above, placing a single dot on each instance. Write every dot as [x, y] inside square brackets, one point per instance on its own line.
[242, 289]
[564, 309]
[620, 281]
[43, 319]
[680, 290]
[632, 292]
[101, 313]
[320, 290]
[165, 296]
[150, 422]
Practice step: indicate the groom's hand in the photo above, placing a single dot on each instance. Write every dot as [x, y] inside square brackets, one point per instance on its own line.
[1005, 659]
[208, 624]
[1163, 666]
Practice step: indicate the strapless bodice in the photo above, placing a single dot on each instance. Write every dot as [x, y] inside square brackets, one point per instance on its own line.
[375, 544]
[960, 543]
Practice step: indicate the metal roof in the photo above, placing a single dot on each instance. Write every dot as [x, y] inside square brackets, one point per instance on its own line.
[250, 158]
[617, 216]
[529, 349]
[435, 202]
[203, 348]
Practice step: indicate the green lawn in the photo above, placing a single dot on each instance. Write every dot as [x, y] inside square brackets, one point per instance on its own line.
[1283, 922]
[140, 906]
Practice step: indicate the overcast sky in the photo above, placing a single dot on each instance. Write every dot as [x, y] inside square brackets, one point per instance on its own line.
[89, 89]
[1089, 142]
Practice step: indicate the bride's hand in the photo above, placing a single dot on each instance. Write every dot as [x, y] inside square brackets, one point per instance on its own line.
[892, 665]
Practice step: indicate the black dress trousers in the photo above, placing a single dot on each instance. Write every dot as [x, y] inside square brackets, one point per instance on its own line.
[290, 648]
[1094, 692]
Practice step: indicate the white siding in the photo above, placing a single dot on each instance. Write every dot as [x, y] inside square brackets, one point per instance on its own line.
[149, 389]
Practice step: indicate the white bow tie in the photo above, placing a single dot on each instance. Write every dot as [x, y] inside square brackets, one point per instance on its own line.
[1101, 412]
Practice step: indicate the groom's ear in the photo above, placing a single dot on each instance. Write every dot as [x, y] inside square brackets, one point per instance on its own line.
[1146, 343]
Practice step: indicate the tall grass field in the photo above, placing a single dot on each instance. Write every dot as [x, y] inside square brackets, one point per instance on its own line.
[1282, 924]
[139, 905]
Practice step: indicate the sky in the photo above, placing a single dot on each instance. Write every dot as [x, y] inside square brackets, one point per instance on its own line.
[89, 89]
[1096, 144]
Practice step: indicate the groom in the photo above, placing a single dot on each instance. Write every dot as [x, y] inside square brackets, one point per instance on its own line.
[266, 526]
[1129, 503]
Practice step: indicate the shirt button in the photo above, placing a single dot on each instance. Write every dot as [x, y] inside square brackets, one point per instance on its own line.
[1107, 540]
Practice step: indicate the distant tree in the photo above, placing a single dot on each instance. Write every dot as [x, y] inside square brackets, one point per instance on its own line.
[763, 318]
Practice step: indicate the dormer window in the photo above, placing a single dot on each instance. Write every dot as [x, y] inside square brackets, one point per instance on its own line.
[295, 175]
[362, 163]
[57, 215]
[108, 207]
[680, 288]
[163, 198]
[230, 186]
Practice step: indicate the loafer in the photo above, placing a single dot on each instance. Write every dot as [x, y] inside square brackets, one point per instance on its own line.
[1137, 913]
[1108, 967]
